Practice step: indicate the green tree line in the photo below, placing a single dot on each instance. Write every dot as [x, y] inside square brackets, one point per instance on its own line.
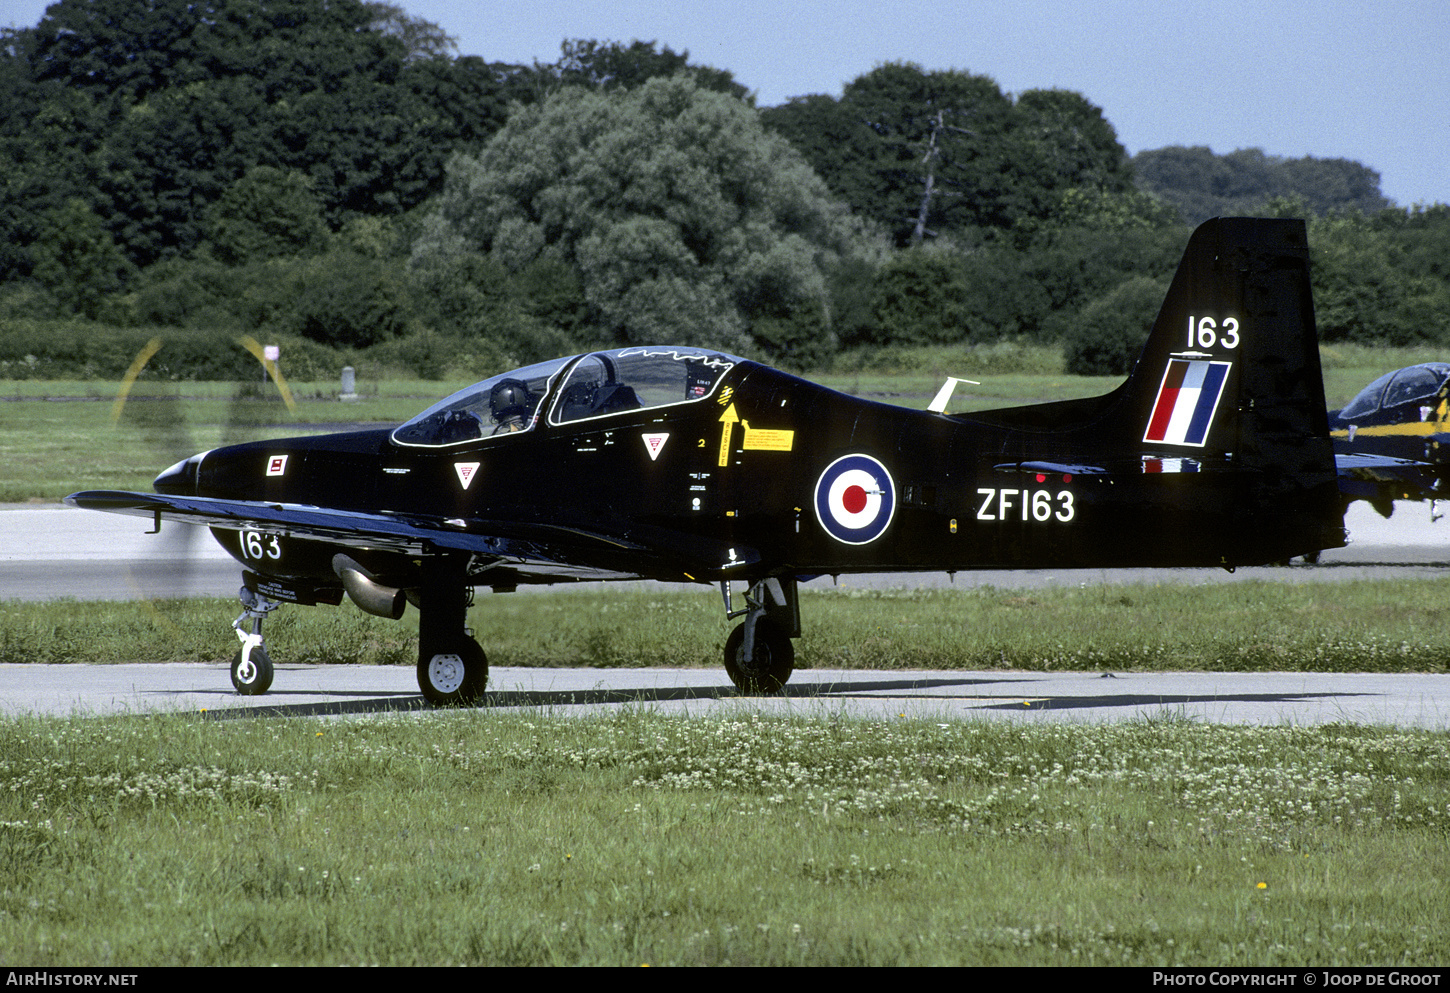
[335, 175]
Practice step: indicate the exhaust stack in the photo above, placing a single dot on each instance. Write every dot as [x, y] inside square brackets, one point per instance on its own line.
[365, 591]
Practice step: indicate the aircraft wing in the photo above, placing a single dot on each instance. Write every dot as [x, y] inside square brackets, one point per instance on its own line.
[536, 550]
[1384, 477]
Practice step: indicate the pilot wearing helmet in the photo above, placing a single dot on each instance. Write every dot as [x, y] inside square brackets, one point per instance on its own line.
[510, 402]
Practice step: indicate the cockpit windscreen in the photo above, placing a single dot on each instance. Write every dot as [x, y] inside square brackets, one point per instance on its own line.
[638, 378]
[505, 404]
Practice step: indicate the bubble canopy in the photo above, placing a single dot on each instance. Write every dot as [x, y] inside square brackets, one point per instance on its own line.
[572, 389]
[1417, 382]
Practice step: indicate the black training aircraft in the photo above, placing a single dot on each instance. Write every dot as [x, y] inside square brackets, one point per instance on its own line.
[1402, 415]
[688, 465]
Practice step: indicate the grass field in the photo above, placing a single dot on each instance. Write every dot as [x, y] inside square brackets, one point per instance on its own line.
[523, 839]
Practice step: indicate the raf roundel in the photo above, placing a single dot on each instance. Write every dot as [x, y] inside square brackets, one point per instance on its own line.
[855, 499]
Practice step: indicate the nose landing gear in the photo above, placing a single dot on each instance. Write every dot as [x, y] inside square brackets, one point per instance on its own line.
[252, 666]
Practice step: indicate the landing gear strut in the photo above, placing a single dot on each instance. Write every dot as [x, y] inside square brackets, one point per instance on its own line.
[252, 666]
[759, 656]
[452, 668]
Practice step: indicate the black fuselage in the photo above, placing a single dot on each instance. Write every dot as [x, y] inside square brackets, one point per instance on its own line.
[737, 488]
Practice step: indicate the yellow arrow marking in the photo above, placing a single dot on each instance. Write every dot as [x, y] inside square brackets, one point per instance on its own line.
[729, 419]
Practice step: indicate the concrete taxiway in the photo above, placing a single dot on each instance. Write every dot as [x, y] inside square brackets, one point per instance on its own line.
[1412, 700]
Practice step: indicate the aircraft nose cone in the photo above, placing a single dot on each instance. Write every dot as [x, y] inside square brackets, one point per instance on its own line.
[180, 479]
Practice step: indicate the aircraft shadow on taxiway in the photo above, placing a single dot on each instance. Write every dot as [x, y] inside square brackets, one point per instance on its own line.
[906, 689]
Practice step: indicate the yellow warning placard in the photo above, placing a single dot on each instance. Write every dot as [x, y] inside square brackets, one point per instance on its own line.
[767, 439]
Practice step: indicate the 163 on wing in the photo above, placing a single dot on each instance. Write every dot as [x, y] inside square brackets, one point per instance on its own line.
[688, 465]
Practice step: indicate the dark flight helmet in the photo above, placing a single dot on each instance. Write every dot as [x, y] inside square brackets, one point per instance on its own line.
[510, 402]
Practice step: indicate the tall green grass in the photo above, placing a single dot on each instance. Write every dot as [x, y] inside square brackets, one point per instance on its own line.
[482, 837]
[1249, 625]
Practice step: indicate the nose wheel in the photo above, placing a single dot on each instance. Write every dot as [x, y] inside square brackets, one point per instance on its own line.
[252, 671]
[252, 666]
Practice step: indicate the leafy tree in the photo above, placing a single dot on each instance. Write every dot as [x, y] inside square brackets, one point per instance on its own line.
[1365, 289]
[168, 160]
[838, 144]
[1203, 185]
[151, 110]
[550, 290]
[187, 293]
[122, 49]
[460, 103]
[126, 50]
[344, 300]
[1101, 210]
[267, 214]
[921, 298]
[1108, 336]
[1424, 233]
[939, 149]
[1071, 266]
[421, 39]
[500, 317]
[50, 153]
[1006, 296]
[76, 259]
[938, 295]
[682, 217]
[370, 149]
[931, 153]
[338, 297]
[610, 66]
[1061, 142]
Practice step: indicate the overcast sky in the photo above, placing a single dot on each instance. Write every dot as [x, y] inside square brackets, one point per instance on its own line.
[1355, 79]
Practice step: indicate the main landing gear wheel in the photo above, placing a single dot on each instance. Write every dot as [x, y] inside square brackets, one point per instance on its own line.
[252, 676]
[454, 678]
[772, 665]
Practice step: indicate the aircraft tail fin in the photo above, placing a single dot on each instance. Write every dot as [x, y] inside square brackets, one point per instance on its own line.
[1232, 364]
[1228, 384]
[1231, 373]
